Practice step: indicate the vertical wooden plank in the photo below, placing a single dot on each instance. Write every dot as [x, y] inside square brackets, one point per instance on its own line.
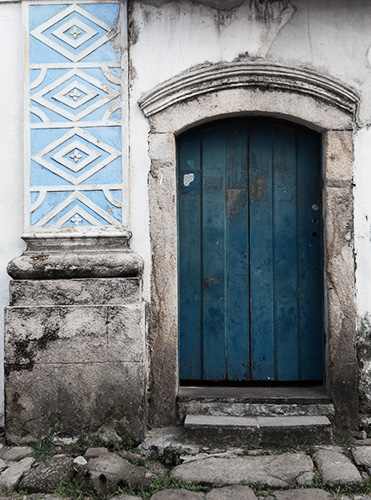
[237, 261]
[285, 254]
[213, 247]
[189, 217]
[261, 252]
[310, 255]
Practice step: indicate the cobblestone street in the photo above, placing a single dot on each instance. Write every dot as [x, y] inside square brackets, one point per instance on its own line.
[165, 467]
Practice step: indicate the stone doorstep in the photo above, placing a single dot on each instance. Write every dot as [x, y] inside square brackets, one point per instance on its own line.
[254, 401]
[262, 430]
[239, 409]
[259, 422]
[286, 394]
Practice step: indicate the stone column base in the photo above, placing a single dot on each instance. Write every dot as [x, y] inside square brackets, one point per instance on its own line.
[75, 357]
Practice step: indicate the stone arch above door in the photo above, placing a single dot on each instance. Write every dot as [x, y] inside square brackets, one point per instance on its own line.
[213, 92]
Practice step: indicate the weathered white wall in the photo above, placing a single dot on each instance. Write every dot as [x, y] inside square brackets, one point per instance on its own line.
[11, 152]
[169, 37]
[166, 37]
[362, 199]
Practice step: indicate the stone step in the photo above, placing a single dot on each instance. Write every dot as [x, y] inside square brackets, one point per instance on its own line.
[254, 401]
[271, 431]
[229, 409]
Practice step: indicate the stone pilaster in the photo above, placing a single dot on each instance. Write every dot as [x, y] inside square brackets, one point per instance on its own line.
[75, 337]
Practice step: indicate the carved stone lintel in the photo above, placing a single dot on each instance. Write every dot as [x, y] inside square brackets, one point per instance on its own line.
[76, 257]
[212, 78]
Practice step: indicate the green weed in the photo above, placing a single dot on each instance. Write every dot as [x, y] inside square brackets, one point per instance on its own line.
[259, 489]
[43, 447]
[317, 481]
[75, 489]
[93, 441]
[78, 490]
[159, 484]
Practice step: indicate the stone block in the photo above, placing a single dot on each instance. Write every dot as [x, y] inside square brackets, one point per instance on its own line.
[75, 358]
[16, 453]
[95, 452]
[109, 470]
[163, 338]
[308, 494]
[60, 334]
[9, 479]
[162, 147]
[74, 398]
[110, 291]
[341, 310]
[338, 150]
[46, 476]
[74, 334]
[362, 455]
[125, 333]
[336, 469]
[237, 431]
[306, 109]
[47, 265]
[278, 471]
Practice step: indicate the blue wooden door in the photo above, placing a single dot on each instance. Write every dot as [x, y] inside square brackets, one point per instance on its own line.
[250, 259]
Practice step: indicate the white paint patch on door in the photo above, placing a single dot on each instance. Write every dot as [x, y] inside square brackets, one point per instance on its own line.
[188, 179]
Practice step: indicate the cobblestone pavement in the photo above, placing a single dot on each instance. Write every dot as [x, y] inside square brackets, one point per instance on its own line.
[164, 467]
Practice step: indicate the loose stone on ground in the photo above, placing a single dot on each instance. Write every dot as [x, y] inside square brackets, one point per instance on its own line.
[10, 478]
[362, 455]
[3, 465]
[94, 452]
[336, 469]
[47, 476]
[16, 452]
[109, 470]
[309, 494]
[80, 462]
[280, 471]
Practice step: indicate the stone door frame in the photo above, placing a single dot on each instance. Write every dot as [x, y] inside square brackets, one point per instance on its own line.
[214, 92]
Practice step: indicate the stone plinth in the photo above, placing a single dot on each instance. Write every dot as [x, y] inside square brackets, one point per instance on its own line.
[75, 356]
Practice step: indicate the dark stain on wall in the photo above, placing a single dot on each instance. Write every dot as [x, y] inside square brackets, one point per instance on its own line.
[267, 11]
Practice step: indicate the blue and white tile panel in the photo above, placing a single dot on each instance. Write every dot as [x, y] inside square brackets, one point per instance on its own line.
[76, 127]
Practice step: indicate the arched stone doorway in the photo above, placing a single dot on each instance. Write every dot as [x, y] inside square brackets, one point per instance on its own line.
[303, 97]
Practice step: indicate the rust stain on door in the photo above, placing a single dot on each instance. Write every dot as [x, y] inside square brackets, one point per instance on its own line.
[259, 190]
[235, 202]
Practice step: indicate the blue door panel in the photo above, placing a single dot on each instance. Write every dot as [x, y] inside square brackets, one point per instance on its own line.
[237, 305]
[190, 310]
[285, 254]
[213, 251]
[250, 252]
[309, 258]
[261, 252]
